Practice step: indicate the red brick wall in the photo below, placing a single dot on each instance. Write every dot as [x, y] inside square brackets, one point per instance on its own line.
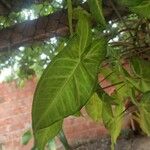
[15, 118]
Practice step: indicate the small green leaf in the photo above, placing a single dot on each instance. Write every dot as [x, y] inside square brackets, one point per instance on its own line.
[144, 113]
[94, 108]
[141, 68]
[112, 120]
[26, 137]
[96, 10]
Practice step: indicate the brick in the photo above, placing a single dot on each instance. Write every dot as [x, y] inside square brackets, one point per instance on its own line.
[15, 118]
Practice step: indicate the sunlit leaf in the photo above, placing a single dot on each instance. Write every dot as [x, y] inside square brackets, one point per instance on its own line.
[66, 84]
[112, 119]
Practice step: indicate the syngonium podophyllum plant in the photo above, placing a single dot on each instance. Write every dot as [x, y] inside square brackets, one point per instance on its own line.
[70, 81]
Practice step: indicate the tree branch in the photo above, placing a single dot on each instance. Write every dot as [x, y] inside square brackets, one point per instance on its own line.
[34, 30]
[55, 24]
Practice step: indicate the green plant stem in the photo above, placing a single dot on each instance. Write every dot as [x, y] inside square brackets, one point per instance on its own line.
[112, 85]
[63, 139]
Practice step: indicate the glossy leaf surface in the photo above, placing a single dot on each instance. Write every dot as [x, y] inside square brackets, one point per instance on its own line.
[67, 83]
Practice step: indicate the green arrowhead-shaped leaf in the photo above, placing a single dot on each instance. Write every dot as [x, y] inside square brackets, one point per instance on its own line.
[94, 108]
[66, 84]
[96, 10]
[112, 120]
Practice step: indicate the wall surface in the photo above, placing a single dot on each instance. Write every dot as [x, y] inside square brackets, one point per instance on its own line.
[15, 118]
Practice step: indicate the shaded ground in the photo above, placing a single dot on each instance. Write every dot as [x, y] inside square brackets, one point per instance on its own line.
[134, 143]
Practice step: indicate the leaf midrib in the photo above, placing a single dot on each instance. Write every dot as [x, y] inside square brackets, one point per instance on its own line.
[59, 92]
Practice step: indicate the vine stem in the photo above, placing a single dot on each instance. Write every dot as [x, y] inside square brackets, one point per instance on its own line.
[112, 85]
[106, 77]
